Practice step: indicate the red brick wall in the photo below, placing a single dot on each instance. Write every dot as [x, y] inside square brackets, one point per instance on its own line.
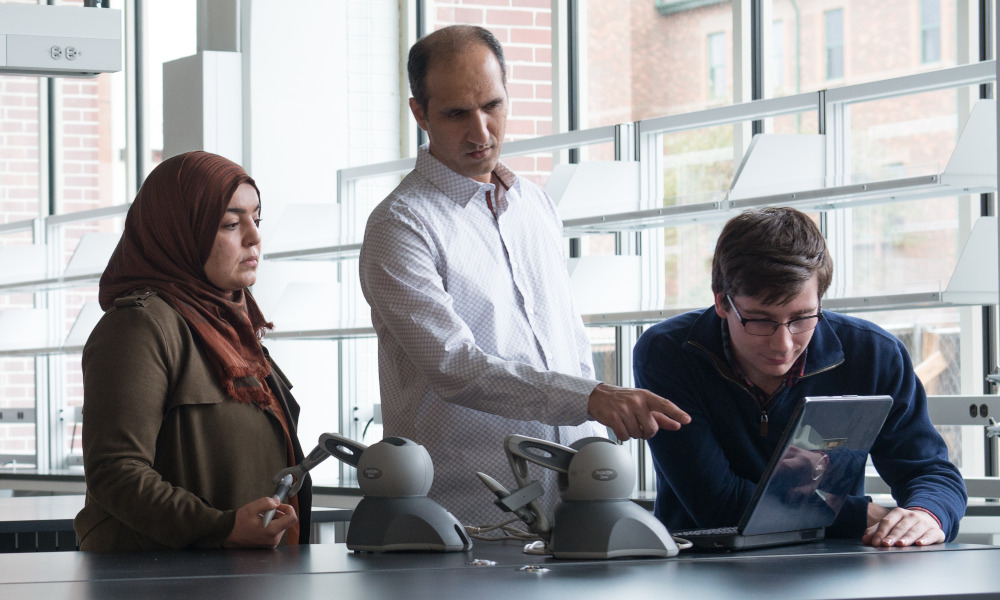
[86, 155]
[642, 64]
[19, 201]
[19, 147]
[524, 27]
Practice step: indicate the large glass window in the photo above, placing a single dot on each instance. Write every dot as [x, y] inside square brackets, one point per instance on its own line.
[635, 60]
[643, 59]
[65, 148]
[909, 246]
[68, 149]
[778, 54]
[844, 42]
[717, 82]
[833, 21]
[930, 30]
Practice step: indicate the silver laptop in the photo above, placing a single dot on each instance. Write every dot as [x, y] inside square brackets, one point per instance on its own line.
[820, 457]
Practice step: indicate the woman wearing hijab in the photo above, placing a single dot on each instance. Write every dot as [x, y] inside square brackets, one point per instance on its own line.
[186, 419]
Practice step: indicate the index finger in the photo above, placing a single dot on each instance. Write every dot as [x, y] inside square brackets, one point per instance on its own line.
[666, 412]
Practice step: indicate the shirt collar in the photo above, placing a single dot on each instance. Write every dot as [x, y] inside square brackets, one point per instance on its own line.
[793, 375]
[459, 188]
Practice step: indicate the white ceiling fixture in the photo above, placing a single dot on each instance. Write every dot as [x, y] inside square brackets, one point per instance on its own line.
[59, 41]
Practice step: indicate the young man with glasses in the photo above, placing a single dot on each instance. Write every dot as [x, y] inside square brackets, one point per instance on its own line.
[740, 367]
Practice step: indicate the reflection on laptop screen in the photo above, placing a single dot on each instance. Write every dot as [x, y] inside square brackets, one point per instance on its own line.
[818, 461]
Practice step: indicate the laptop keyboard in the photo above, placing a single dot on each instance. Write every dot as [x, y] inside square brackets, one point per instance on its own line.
[703, 532]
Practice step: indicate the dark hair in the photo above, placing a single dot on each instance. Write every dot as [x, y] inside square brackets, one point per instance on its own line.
[769, 254]
[442, 44]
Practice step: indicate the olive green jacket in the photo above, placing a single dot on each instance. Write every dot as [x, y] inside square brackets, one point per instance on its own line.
[168, 457]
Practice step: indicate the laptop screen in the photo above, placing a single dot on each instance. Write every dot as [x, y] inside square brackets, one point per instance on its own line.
[819, 460]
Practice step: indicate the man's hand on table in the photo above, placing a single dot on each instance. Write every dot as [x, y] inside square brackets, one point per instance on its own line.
[900, 527]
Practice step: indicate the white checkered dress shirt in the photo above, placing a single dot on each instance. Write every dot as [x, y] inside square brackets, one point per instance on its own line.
[478, 335]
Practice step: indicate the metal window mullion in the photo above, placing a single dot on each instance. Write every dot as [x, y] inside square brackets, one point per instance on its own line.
[346, 473]
[627, 244]
[421, 25]
[41, 371]
[985, 39]
[626, 149]
[743, 71]
[51, 454]
[647, 149]
[347, 199]
[991, 321]
[51, 146]
[129, 70]
[49, 157]
[757, 58]
[573, 67]
[140, 95]
[626, 142]
[973, 19]
[834, 122]
[650, 243]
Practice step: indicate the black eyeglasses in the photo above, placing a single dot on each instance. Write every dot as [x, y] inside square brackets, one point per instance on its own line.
[764, 327]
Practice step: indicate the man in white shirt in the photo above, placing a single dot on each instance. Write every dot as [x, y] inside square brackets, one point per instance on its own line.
[463, 265]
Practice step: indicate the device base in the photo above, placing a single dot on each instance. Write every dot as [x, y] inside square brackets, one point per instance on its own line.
[608, 529]
[414, 523]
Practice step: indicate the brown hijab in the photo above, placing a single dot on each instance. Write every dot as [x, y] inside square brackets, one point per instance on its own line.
[169, 233]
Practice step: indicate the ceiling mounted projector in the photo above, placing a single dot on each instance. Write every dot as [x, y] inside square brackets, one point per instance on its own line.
[59, 41]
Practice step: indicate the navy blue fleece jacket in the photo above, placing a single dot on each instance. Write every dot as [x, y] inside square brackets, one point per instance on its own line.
[707, 471]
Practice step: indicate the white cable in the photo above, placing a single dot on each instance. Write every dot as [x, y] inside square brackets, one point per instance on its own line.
[537, 547]
[506, 532]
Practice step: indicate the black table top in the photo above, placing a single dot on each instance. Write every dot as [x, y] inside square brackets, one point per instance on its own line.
[828, 569]
[55, 513]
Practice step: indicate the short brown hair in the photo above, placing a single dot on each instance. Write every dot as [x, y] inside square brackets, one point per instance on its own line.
[769, 254]
[442, 44]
